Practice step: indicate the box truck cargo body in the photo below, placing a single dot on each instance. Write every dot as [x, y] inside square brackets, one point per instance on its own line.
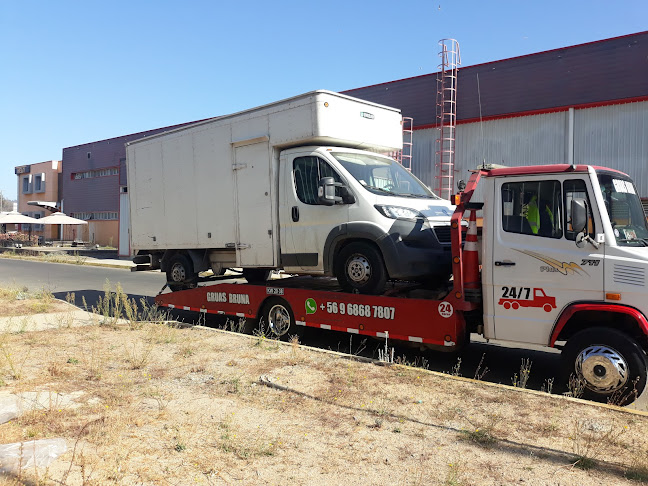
[287, 185]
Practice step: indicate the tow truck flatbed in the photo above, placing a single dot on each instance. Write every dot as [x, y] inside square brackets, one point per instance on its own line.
[421, 317]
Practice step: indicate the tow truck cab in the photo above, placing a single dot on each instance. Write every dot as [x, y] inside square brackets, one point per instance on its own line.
[564, 259]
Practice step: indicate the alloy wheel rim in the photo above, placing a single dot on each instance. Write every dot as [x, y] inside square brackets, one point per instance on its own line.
[279, 320]
[603, 368]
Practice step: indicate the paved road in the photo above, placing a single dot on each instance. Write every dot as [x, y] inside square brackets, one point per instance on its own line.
[502, 361]
[83, 280]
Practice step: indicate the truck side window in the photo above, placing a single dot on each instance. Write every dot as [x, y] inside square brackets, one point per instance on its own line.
[532, 208]
[575, 189]
[307, 171]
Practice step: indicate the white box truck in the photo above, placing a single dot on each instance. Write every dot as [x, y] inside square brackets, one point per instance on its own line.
[298, 185]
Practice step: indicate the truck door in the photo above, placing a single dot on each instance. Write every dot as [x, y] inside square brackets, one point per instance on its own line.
[305, 224]
[537, 268]
[253, 206]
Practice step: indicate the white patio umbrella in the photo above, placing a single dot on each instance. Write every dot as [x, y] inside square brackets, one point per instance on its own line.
[60, 218]
[14, 217]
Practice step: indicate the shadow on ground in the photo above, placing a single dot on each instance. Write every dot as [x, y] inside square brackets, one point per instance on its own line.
[488, 362]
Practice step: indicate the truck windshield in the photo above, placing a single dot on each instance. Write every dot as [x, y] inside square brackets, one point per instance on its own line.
[624, 209]
[382, 175]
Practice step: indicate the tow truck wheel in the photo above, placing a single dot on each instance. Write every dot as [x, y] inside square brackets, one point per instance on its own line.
[278, 317]
[180, 273]
[610, 364]
[360, 268]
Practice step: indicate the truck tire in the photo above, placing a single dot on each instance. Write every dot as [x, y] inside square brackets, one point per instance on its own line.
[278, 317]
[256, 275]
[180, 273]
[360, 268]
[610, 364]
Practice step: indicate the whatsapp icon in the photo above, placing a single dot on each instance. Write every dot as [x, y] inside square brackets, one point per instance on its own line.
[311, 306]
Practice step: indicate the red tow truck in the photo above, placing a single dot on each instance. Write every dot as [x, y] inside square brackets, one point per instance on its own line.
[579, 282]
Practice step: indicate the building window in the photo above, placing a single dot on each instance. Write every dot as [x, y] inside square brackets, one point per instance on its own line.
[97, 215]
[39, 183]
[26, 185]
[92, 174]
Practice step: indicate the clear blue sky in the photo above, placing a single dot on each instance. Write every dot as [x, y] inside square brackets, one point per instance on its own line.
[73, 72]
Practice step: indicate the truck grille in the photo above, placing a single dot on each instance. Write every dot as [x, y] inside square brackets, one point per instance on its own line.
[443, 234]
[625, 274]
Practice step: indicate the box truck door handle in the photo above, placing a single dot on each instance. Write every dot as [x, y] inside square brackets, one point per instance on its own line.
[238, 246]
[295, 214]
[504, 264]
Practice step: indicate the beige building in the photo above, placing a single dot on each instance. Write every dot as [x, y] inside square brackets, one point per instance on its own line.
[39, 182]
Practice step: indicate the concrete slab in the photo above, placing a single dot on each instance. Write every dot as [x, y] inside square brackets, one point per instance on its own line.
[74, 317]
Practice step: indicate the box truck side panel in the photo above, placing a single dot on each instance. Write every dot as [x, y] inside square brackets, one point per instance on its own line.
[178, 225]
[146, 195]
[213, 188]
[248, 127]
[294, 126]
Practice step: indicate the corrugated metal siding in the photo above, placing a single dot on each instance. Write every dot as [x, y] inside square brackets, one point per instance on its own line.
[527, 140]
[611, 69]
[538, 139]
[617, 137]
[423, 155]
[614, 136]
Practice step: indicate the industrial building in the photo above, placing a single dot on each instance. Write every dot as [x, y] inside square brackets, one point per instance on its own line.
[585, 104]
[580, 104]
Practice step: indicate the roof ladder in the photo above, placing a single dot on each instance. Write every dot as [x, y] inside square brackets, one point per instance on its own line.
[446, 109]
[405, 155]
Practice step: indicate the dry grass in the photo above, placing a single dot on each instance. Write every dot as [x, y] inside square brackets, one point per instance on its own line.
[156, 404]
[18, 301]
[49, 257]
[153, 408]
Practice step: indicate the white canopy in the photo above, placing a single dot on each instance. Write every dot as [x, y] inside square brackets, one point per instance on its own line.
[14, 217]
[59, 218]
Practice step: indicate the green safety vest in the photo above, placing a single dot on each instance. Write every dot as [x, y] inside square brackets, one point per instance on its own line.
[533, 215]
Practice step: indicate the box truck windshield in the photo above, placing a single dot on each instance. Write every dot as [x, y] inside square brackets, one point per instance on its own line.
[624, 209]
[384, 176]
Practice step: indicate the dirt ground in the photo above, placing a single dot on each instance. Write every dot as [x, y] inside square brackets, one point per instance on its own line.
[157, 404]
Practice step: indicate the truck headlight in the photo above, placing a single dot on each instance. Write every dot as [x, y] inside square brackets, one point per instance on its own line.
[397, 212]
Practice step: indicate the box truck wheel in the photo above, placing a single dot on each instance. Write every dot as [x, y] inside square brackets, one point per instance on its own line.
[256, 275]
[360, 268]
[609, 363]
[180, 273]
[278, 317]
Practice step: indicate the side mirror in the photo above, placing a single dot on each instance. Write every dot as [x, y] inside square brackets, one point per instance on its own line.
[347, 197]
[326, 191]
[578, 215]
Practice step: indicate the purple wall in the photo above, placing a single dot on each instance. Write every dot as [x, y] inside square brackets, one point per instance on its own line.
[597, 72]
[98, 193]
